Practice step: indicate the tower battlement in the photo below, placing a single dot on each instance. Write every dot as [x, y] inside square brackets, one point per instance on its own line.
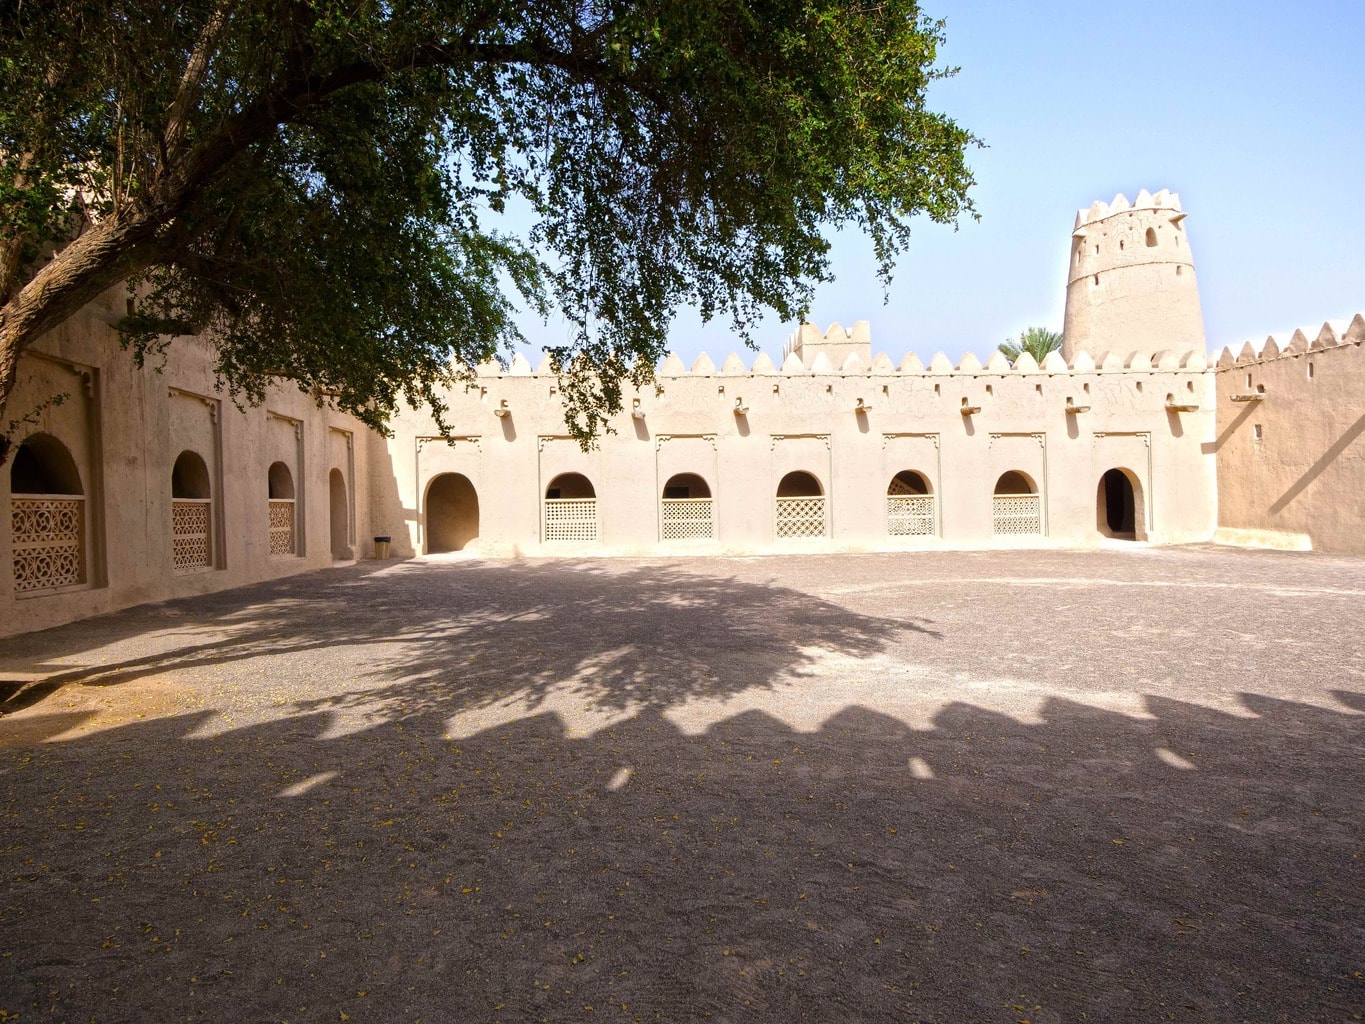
[1130, 279]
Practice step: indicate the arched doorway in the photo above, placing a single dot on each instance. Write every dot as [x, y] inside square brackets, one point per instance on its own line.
[909, 505]
[1118, 506]
[685, 510]
[1016, 507]
[47, 510]
[452, 513]
[801, 507]
[339, 507]
[569, 511]
[191, 513]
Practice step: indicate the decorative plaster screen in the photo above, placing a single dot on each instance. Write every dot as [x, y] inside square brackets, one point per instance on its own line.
[570, 519]
[281, 526]
[1016, 514]
[49, 541]
[910, 515]
[687, 518]
[801, 517]
[191, 537]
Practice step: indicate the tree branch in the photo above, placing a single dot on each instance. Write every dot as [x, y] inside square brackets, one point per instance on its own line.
[177, 119]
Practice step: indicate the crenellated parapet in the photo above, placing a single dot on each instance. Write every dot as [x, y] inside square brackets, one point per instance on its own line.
[1331, 335]
[882, 365]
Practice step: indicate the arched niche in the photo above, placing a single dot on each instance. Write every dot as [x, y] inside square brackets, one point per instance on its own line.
[1015, 482]
[799, 484]
[338, 505]
[192, 518]
[190, 476]
[43, 465]
[568, 486]
[452, 513]
[281, 482]
[908, 483]
[686, 485]
[47, 517]
[1119, 508]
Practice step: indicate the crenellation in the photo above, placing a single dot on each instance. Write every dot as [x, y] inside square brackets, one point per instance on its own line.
[911, 364]
[702, 366]
[1054, 362]
[733, 365]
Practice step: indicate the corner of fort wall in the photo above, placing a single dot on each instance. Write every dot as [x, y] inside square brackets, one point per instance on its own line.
[1290, 443]
[131, 537]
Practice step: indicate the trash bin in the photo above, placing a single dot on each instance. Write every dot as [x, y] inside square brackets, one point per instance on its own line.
[381, 547]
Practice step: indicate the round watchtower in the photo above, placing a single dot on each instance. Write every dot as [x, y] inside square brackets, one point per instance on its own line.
[1130, 288]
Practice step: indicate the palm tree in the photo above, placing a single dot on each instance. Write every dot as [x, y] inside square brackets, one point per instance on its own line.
[1036, 341]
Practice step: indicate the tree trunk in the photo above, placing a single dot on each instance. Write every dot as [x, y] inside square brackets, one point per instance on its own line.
[102, 257]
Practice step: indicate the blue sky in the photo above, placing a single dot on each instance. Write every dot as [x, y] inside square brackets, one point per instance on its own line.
[1254, 112]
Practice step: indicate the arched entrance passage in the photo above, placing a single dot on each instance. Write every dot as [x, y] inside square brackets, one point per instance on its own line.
[452, 513]
[339, 508]
[909, 505]
[1016, 508]
[801, 507]
[47, 513]
[1118, 506]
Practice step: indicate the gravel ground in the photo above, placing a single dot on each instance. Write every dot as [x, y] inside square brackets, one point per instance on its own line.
[1116, 785]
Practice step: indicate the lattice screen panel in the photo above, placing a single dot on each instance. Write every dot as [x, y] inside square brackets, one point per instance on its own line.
[687, 519]
[49, 542]
[801, 517]
[570, 519]
[281, 526]
[1017, 514]
[191, 536]
[910, 515]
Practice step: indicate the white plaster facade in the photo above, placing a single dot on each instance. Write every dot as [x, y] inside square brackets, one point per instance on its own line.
[147, 485]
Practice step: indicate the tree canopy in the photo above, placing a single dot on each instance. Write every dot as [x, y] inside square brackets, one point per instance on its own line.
[315, 186]
[1036, 341]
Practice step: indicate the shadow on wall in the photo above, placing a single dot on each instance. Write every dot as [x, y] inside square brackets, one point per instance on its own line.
[1195, 866]
[462, 641]
[1316, 470]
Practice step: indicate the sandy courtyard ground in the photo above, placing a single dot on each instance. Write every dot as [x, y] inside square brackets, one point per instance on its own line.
[1119, 785]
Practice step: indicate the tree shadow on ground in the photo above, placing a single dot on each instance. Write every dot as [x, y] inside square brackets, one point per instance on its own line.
[427, 636]
[1193, 866]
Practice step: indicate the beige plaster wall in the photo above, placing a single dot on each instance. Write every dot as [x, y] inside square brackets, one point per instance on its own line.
[1305, 473]
[795, 419]
[125, 426]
